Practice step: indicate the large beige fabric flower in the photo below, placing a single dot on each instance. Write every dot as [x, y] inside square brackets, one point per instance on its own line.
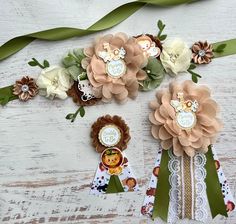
[164, 123]
[105, 86]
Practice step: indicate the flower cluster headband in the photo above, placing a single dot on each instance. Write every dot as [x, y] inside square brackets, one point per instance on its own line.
[114, 67]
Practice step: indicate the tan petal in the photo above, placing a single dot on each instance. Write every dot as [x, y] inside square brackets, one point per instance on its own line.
[155, 131]
[153, 120]
[141, 75]
[166, 144]
[154, 105]
[189, 151]
[106, 92]
[163, 134]
[177, 148]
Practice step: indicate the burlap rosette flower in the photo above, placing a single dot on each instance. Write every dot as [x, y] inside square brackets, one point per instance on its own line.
[110, 120]
[164, 119]
[105, 86]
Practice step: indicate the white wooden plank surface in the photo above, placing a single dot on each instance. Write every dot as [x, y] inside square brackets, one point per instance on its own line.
[46, 163]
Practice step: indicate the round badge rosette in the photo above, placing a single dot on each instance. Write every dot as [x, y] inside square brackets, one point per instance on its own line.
[110, 136]
[110, 131]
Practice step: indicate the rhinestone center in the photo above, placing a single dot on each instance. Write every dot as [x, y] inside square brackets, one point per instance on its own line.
[25, 88]
[202, 53]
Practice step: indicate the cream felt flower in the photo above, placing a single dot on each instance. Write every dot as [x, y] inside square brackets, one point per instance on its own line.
[54, 82]
[176, 56]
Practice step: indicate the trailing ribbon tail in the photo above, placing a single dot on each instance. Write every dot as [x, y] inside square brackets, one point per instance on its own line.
[218, 192]
[156, 201]
[104, 182]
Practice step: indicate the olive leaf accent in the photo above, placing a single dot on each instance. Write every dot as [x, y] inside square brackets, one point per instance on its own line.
[72, 62]
[220, 48]
[35, 62]
[195, 76]
[72, 116]
[161, 27]
[155, 72]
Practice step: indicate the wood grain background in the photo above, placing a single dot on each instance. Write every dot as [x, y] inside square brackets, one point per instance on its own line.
[47, 163]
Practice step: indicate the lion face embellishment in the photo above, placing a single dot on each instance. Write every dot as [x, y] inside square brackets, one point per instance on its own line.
[185, 111]
[115, 65]
[112, 159]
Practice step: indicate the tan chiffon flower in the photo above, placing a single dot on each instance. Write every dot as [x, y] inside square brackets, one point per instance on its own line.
[105, 86]
[171, 135]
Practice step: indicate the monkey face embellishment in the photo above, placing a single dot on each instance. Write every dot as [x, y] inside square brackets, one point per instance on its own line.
[185, 111]
[148, 46]
[115, 65]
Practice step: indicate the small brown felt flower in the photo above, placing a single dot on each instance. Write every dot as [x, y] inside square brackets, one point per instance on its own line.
[114, 121]
[25, 88]
[202, 52]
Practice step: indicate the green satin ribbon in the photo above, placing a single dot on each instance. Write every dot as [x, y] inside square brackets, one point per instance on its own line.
[213, 189]
[6, 95]
[108, 21]
[114, 185]
[228, 50]
[161, 202]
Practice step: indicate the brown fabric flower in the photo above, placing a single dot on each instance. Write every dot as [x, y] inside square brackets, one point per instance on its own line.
[105, 86]
[202, 52]
[164, 119]
[25, 88]
[76, 95]
[110, 120]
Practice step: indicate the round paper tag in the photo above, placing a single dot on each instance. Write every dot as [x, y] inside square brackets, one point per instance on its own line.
[109, 135]
[186, 120]
[116, 68]
[112, 158]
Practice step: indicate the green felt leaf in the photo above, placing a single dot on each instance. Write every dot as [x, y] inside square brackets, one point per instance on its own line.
[82, 112]
[194, 78]
[46, 64]
[60, 33]
[220, 48]
[162, 37]
[74, 72]
[32, 63]
[192, 66]
[229, 49]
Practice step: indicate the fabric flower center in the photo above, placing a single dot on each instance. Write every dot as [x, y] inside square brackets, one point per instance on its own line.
[202, 53]
[115, 65]
[24, 88]
[55, 82]
[173, 57]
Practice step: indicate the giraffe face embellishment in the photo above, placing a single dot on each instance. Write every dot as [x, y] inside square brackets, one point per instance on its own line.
[115, 65]
[185, 112]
